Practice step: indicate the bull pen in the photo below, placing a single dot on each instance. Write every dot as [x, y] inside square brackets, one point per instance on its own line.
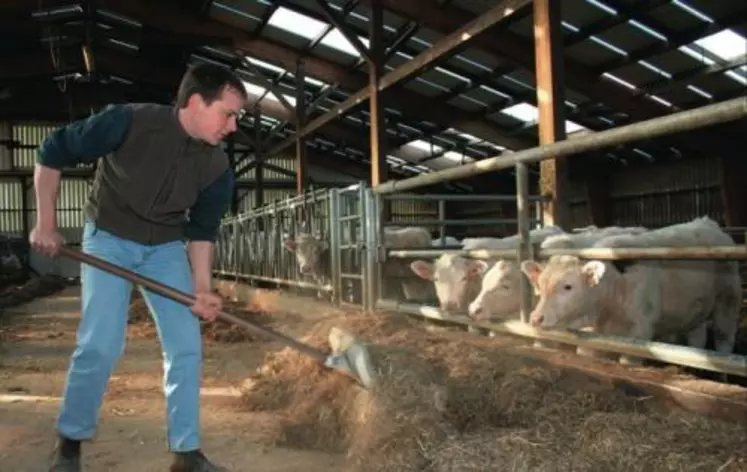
[349, 219]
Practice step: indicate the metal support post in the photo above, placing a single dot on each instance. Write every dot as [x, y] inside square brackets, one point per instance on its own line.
[525, 245]
[335, 238]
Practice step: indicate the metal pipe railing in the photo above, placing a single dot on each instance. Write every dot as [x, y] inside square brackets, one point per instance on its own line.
[672, 353]
[355, 235]
[446, 197]
[728, 110]
[606, 254]
[275, 280]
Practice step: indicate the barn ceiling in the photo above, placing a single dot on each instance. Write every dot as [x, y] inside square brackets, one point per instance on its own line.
[624, 60]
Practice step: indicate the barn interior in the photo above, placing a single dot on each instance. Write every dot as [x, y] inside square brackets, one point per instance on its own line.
[360, 115]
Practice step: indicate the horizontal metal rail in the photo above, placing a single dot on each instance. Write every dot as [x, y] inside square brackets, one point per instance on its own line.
[671, 353]
[601, 253]
[461, 198]
[728, 110]
[274, 280]
[470, 222]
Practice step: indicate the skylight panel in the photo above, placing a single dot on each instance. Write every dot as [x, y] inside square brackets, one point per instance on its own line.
[336, 40]
[620, 81]
[646, 29]
[422, 42]
[569, 26]
[119, 18]
[659, 99]
[316, 82]
[693, 11]
[457, 157]
[470, 138]
[653, 68]
[518, 82]
[472, 63]
[608, 45]
[258, 91]
[572, 127]
[733, 75]
[603, 7]
[57, 11]
[523, 112]
[725, 44]
[700, 92]
[425, 146]
[125, 44]
[494, 91]
[452, 74]
[296, 23]
[265, 65]
[530, 114]
[431, 84]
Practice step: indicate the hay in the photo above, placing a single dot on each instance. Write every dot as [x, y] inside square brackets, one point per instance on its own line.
[604, 441]
[452, 402]
[218, 331]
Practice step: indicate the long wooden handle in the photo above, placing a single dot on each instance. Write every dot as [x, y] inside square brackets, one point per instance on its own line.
[188, 300]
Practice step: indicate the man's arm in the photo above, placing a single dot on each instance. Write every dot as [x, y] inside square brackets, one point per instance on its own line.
[82, 141]
[202, 228]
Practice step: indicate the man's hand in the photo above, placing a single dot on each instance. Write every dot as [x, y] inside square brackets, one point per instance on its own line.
[46, 239]
[207, 305]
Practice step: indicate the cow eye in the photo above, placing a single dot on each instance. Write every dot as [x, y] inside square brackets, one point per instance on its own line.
[567, 286]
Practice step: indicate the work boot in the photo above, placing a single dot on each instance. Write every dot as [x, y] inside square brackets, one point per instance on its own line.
[193, 461]
[66, 456]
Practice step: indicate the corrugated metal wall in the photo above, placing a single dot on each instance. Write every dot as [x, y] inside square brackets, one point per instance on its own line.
[409, 212]
[11, 216]
[5, 153]
[72, 197]
[657, 195]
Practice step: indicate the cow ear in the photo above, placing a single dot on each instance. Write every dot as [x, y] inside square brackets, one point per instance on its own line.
[290, 244]
[532, 270]
[477, 268]
[422, 269]
[593, 271]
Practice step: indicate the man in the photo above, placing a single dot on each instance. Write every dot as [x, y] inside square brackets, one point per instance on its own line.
[157, 164]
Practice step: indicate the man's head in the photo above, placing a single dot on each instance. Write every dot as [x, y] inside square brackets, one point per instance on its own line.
[210, 99]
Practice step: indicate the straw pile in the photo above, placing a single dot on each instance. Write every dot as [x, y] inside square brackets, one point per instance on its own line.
[451, 402]
[218, 331]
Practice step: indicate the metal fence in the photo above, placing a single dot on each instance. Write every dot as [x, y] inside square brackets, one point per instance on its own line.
[349, 221]
[354, 268]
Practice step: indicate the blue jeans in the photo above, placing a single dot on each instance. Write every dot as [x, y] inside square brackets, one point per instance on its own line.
[102, 330]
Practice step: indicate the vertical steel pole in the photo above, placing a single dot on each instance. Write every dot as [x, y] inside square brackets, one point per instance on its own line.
[442, 216]
[522, 213]
[335, 233]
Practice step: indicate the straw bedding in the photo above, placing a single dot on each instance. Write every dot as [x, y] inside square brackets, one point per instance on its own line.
[218, 331]
[451, 402]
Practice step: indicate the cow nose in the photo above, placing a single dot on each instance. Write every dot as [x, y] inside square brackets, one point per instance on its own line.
[536, 319]
[475, 311]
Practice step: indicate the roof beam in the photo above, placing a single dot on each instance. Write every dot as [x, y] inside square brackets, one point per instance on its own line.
[444, 48]
[33, 5]
[177, 19]
[508, 45]
[680, 39]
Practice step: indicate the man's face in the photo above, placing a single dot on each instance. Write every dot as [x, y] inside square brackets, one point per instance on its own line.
[217, 120]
